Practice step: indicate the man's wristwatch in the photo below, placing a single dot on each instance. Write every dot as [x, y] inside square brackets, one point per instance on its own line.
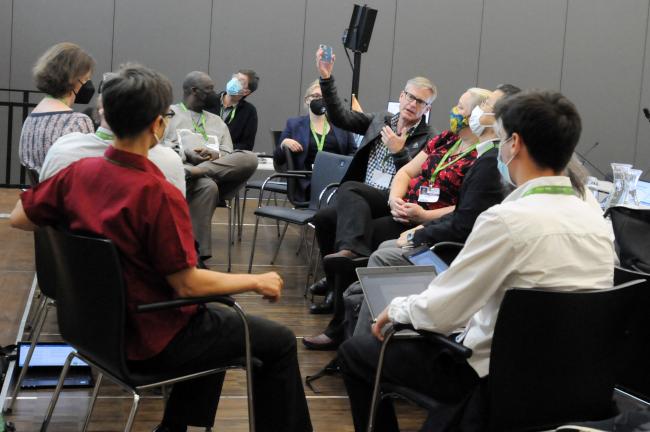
[409, 238]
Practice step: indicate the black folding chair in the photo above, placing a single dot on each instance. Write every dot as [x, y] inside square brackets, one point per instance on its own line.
[553, 359]
[633, 375]
[87, 274]
[329, 169]
[632, 231]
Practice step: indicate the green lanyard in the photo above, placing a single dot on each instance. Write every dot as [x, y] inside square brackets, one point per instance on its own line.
[103, 135]
[62, 100]
[232, 114]
[200, 126]
[442, 165]
[320, 142]
[553, 190]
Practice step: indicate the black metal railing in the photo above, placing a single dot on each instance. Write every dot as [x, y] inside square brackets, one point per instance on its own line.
[24, 105]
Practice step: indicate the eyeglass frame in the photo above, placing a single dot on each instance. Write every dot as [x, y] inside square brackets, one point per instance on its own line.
[412, 98]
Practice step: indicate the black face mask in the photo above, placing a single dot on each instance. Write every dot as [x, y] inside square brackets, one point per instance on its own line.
[212, 102]
[317, 106]
[85, 93]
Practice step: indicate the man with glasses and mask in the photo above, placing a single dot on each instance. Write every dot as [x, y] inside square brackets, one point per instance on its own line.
[543, 235]
[234, 109]
[124, 197]
[214, 169]
[390, 141]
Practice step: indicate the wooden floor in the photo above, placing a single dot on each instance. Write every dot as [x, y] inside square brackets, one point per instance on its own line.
[329, 409]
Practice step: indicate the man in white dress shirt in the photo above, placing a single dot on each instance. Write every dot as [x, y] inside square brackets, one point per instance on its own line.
[541, 236]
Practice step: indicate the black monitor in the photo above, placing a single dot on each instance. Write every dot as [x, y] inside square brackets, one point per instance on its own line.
[357, 35]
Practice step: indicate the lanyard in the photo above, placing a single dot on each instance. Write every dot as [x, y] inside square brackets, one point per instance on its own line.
[442, 165]
[103, 135]
[122, 164]
[231, 116]
[553, 190]
[320, 142]
[200, 126]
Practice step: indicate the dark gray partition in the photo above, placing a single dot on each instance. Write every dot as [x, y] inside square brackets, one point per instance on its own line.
[170, 36]
[5, 42]
[267, 37]
[603, 63]
[325, 22]
[642, 159]
[522, 43]
[438, 39]
[39, 24]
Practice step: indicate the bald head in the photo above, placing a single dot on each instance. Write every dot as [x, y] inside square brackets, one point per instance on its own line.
[197, 86]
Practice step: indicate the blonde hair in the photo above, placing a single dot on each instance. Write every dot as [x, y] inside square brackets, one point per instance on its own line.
[478, 96]
[58, 69]
[425, 83]
[314, 84]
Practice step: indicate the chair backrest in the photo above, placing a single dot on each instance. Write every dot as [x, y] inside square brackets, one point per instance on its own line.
[328, 168]
[632, 231]
[553, 356]
[633, 374]
[46, 264]
[90, 295]
[275, 139]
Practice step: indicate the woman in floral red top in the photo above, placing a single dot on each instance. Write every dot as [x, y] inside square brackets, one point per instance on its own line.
[427, 187]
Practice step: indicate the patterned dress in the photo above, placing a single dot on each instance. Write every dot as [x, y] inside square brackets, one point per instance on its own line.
[448, 180]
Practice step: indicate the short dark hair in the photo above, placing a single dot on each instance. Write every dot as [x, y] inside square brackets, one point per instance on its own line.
[253, 78]
[58, 69]
[548, 123]
[508, 89]
[134, 98]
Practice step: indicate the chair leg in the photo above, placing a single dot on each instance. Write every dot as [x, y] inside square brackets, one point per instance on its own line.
[242, 214]
[310, 263]
[277, 249]
[93, 399]
[32, 318]
[374, 405]
[302, 240]
[37, 316]
[28, 358]
[230, 240]
[134, 411]
[57, 392]
[250, 262]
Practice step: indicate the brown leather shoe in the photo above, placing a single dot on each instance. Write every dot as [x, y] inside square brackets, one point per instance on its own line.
[322, 342]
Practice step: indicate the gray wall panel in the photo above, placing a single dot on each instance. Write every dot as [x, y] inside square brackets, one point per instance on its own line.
[642, 160]
[439, 40]
[266, 36]
[39, 24]
[522, 43]
[169, 36]
[325, 23]
[602, 74]
[5, 42]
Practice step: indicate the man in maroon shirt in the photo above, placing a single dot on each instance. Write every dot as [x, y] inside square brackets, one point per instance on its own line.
[125, 198]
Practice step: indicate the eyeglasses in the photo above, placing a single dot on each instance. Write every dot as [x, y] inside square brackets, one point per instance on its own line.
[169, 114]
[412, 98]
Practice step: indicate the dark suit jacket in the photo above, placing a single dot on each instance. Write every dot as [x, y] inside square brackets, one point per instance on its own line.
[297, 128]
[481, 189]
[369, 125]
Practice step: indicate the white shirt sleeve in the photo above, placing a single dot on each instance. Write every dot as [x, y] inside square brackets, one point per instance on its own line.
[170, 164]
[481, 269]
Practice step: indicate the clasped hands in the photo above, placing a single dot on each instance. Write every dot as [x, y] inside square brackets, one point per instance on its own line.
[201, 154]
[405, 212]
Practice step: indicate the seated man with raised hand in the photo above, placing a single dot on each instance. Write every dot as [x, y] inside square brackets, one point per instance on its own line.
[125, 198]
[213, 168]
[542, 236]
[75, 146]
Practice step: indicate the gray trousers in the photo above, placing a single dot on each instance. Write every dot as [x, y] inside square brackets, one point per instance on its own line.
[388, 255]
[224, 177]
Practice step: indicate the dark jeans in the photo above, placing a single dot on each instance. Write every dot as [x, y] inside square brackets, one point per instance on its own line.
[416, 364]
[213, 338]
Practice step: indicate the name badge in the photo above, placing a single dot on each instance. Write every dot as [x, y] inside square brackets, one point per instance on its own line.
[381, 178]
[429, 194]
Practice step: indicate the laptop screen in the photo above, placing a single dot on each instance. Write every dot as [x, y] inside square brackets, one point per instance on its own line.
[47, 355]
[381, 285]
[643, 192]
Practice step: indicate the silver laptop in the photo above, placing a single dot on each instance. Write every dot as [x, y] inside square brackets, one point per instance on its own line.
[381, 285]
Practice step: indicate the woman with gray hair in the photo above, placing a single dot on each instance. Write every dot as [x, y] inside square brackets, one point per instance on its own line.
[63, 73]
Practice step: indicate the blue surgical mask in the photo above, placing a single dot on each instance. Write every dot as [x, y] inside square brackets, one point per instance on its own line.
[503, 166]
[233, 88]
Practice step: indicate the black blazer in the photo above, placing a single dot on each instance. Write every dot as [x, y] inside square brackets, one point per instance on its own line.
[481, 189]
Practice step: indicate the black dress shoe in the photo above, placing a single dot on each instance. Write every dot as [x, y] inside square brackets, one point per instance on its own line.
[326, 307]
[321, 342]
[319, 287]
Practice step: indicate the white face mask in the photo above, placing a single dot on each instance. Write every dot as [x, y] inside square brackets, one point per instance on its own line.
[475, 121]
